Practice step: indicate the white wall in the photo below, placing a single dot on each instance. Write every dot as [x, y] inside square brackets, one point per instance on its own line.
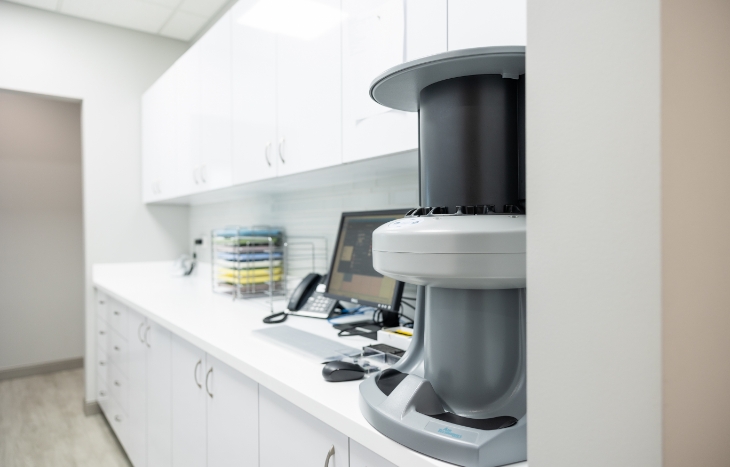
[41, 231]
[593, 243]
[314, 212]
[107, 68]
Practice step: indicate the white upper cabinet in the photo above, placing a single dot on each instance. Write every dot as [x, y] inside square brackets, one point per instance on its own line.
[378, 35]
[213, 167]
[482, 23]
[187, 125]
[309, 86]
[159, 142]
[254, 99]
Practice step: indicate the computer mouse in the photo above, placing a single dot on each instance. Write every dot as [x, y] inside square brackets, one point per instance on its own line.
[342, 371]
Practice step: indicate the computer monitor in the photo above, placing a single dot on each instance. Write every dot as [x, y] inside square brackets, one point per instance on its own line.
[352, 277]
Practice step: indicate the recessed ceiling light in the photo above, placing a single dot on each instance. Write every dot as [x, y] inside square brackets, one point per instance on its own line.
[305, 19]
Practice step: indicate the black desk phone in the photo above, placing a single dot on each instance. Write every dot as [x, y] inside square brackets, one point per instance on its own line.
[307, 301]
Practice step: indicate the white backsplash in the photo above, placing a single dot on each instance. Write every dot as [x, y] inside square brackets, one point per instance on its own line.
[313, 212]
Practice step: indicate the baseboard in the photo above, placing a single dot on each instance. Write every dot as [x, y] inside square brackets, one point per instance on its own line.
[91, 408]
[40, 368]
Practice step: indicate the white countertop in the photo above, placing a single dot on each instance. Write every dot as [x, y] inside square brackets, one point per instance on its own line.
[224, 329]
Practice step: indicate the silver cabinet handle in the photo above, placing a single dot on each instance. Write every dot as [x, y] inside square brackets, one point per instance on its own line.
[117, 383]
[118, 418]
[267, 148]
[281, 150]
[102, 363]
[195, 175]
[195, 373]
[139, 331]
[203, 173]
[329, 456]
[101, 333]
[145, 336]
[207, 375]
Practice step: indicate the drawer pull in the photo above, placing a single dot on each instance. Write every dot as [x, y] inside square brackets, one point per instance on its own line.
[195, 373]
[145, 336]
[206, 382]
[139, 332]
[117, 383]
[329, 456]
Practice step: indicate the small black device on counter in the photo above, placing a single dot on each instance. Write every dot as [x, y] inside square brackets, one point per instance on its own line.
[342, 371]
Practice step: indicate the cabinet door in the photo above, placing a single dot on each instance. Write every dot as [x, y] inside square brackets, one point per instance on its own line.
[232, 416]
[152, 141]
[137, 405]
[159, 143]
[214, 168]
[188, 404]
[361, 456]
[159, 388]
[482, 23]
[187, 120]
[378, 35]
[290, 436]
[254, 99]
[309, 100]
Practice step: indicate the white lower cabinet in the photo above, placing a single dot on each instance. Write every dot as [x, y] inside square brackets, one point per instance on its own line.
[174, 405]
[233, 416]
[137, 390]
[360, 456]
[188, 405]
[159, 389]
[290, 436]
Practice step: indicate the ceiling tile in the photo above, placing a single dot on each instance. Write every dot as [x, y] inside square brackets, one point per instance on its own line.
[183, 26]
[133, 14]
[206, 8]
[44, 4]
[166, 3]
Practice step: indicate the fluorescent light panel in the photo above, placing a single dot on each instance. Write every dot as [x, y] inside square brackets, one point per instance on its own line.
[305, 19]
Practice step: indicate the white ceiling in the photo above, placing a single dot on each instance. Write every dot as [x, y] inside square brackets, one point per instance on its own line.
[178, 19]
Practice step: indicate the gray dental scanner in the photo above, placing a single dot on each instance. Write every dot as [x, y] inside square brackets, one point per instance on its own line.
[459, 393]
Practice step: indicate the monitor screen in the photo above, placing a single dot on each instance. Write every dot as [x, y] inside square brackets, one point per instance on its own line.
[352, 276]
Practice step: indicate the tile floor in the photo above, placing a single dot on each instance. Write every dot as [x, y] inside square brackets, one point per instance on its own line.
[42, 423]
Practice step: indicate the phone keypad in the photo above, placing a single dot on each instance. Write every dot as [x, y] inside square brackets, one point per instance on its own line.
[320, 304]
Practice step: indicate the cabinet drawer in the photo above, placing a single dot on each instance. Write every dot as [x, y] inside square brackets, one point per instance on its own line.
[102, 364]
[102, 333]
[102, 305]
[118, 352]
[117, 420]
[102, 396]
[118, 317]
[119, 388]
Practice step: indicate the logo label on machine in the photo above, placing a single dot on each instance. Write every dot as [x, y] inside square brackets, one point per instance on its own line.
[400, 223]
[453, 433]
